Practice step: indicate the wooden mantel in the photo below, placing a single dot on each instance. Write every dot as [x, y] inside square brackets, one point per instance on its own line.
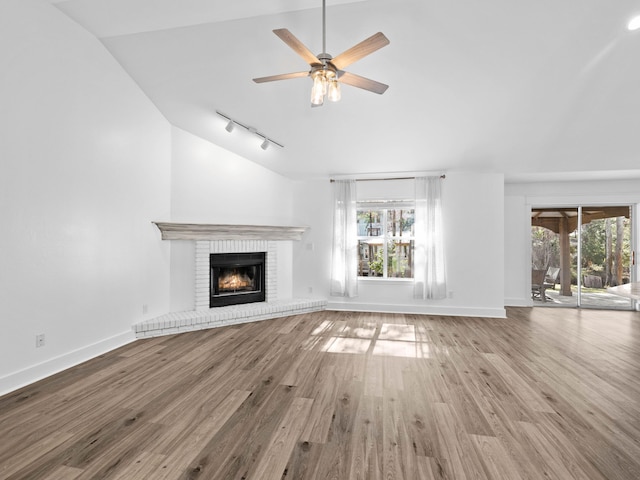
[203, 231]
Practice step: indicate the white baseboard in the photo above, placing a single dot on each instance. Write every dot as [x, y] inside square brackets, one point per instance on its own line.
[26, 376]
[418, 309]
[518, 302]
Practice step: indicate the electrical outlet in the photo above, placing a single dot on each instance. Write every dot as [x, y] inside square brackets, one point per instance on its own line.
[450, 294]
[310, 289]
[40, 340]
[145, 309]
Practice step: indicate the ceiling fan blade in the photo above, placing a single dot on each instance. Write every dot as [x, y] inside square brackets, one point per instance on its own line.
[283, 76]
[362, 49]
[287, 37]
[362, 82]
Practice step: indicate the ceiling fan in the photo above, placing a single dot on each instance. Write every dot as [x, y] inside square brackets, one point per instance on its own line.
[327, 72]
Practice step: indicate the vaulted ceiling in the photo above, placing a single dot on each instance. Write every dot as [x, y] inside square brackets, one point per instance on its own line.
[537, 89]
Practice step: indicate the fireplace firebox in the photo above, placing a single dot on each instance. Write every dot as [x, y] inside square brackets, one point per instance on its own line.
[236, 278]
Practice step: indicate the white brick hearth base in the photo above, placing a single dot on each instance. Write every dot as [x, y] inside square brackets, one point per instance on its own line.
[221, 316]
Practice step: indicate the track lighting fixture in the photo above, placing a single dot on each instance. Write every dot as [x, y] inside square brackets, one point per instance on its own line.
[231, 124]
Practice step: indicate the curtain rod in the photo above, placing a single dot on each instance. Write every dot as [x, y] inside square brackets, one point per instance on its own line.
[390, 178]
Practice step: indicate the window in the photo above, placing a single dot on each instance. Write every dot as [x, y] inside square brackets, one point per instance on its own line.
[385, 239]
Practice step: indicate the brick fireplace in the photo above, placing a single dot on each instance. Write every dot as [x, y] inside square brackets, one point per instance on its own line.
[211, 239]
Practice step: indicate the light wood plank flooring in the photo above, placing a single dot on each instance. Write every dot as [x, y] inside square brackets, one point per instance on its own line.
[543, 394]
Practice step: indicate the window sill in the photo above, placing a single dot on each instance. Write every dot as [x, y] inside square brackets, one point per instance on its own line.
[384, 280]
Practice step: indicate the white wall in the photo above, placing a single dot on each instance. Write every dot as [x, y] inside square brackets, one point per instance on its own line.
[312, 256]
[85, 162]
[517, 254]
[212, 185]
[474, 236]
[521, 197]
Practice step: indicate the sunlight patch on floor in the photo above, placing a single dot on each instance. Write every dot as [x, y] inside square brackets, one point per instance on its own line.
[391, 348]
[397, 332]
[347, 345]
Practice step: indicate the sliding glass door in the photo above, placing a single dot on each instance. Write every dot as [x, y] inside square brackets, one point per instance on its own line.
[605, 255]
[553, 256]
[583, 250]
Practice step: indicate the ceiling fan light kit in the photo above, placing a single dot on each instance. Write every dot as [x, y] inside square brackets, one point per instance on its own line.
[326, 72]
[325, 82]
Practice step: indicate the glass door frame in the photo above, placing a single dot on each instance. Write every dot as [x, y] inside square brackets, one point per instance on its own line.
[579, 260]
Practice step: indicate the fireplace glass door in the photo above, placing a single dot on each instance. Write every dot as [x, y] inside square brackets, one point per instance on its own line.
[237, 278]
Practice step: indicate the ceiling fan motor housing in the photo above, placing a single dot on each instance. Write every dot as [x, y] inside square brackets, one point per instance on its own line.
[325, 65]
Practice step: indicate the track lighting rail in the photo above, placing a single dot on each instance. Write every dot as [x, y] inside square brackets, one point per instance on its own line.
[232, 123]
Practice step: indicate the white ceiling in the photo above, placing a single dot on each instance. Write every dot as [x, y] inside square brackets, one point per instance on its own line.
[531, 89]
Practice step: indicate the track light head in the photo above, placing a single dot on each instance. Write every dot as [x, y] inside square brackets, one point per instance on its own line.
[232, 124]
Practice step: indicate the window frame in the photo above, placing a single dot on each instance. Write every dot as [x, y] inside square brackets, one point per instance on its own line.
[384, 207]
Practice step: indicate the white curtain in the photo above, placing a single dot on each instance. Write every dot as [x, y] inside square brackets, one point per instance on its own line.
[344, 266]
[429, 275]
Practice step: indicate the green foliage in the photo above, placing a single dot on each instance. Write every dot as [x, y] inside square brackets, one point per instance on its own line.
[407, 223]
[368, 216]
[398, 266]
[377, 265]
[545, 248]
[593, 244]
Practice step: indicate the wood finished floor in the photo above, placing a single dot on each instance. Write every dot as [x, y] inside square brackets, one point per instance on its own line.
[543, 394]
